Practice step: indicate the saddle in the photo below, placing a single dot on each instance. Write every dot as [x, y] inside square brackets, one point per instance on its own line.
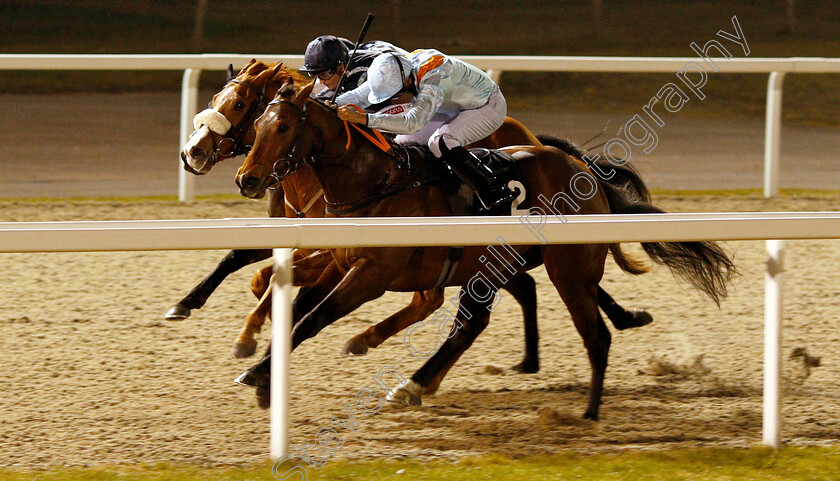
[476, 181]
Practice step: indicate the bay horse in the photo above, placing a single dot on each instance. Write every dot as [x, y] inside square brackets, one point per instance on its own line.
[239, 103]
[296, 130]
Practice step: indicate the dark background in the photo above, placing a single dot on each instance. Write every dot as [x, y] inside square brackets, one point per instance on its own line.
[773, 28]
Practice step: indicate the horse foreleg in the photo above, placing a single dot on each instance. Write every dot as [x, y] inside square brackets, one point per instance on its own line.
[307, 269]
[422, 305]
[523, 288]
[232, 262]
[259, 375]
[246, 344]
[365, 281]
[473, 316]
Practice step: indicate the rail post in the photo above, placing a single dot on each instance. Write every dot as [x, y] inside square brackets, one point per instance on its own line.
[771, 424]
[281, 346]
[773, 133]
[189, 107]
[495, 75]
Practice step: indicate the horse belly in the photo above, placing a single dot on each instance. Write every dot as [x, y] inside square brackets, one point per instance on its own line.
[422, 271]
[493, 265]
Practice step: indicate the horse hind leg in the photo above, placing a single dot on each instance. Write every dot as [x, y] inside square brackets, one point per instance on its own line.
[576, 280]
[523, 288]
[620, 317]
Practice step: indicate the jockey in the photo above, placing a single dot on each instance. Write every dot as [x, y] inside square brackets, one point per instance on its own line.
[327, 58]
[452, 104]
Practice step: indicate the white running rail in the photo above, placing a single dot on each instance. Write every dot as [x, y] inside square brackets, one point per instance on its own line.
[192, 65]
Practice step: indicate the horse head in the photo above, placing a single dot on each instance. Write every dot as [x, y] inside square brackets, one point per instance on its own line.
[225, 128]
[281, 144]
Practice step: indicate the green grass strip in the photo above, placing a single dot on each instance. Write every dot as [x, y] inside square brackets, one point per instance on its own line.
[813, 463]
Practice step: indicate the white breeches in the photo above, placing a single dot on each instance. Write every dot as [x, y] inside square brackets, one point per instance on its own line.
[466, 127]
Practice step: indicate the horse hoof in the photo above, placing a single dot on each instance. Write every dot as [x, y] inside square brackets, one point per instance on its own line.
[177, 313]
[641, 318]
[405, 395]
[635, 318]
[244, 349]
[590, 415]
[356, 346]
[527, 367]
[247, 378]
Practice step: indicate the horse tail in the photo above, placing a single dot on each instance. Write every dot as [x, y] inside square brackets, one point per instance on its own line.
[704, 265]
[624, 174]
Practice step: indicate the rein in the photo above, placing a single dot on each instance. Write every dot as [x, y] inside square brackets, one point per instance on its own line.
[376, 138]
[382, 190]
[392, 190]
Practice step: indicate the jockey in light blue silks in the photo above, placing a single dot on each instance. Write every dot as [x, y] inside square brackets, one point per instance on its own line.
[452, 104]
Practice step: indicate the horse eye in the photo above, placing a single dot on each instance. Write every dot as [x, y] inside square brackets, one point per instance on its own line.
[282, 128]
[239, 106]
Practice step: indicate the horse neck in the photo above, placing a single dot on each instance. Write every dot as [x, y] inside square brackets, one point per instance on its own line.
[345, 174]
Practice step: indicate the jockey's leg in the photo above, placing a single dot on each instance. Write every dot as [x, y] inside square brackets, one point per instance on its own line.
[421, 137]
[467, 127]
[470, 125]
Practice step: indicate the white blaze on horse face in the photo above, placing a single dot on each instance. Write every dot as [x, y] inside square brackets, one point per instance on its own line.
[201, 139]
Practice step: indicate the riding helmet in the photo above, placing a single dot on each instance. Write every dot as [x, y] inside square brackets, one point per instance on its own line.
[387, 74]
[324, 53]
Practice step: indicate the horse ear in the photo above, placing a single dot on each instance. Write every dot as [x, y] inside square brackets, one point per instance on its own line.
[304, 93]
[230, 74]
[265, 76]
[287, 89]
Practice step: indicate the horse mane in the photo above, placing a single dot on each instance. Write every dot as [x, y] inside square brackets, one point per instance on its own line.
[255, 67]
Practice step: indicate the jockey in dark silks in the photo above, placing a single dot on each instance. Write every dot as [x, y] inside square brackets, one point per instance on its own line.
[327, 58]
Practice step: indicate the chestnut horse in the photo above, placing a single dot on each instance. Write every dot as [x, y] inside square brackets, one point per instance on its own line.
[239, 103]
[296, 130]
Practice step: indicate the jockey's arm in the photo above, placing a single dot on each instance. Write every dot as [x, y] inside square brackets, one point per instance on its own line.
[358, 96]
[427, 102]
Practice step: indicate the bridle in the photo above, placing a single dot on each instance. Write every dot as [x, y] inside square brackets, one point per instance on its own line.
[233, 143]
[294, 160]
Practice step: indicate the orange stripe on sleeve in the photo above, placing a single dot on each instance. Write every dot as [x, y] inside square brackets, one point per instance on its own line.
[428, 65]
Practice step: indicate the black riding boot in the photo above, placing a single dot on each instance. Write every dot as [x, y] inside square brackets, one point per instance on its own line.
[476, 175]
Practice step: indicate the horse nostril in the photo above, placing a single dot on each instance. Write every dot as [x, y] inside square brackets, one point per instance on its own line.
[250, 183]
[197, 153]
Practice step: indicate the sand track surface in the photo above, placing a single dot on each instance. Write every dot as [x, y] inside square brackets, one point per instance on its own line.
[92, 373]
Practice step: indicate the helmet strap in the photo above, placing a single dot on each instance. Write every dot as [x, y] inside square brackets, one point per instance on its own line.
[402, 71]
